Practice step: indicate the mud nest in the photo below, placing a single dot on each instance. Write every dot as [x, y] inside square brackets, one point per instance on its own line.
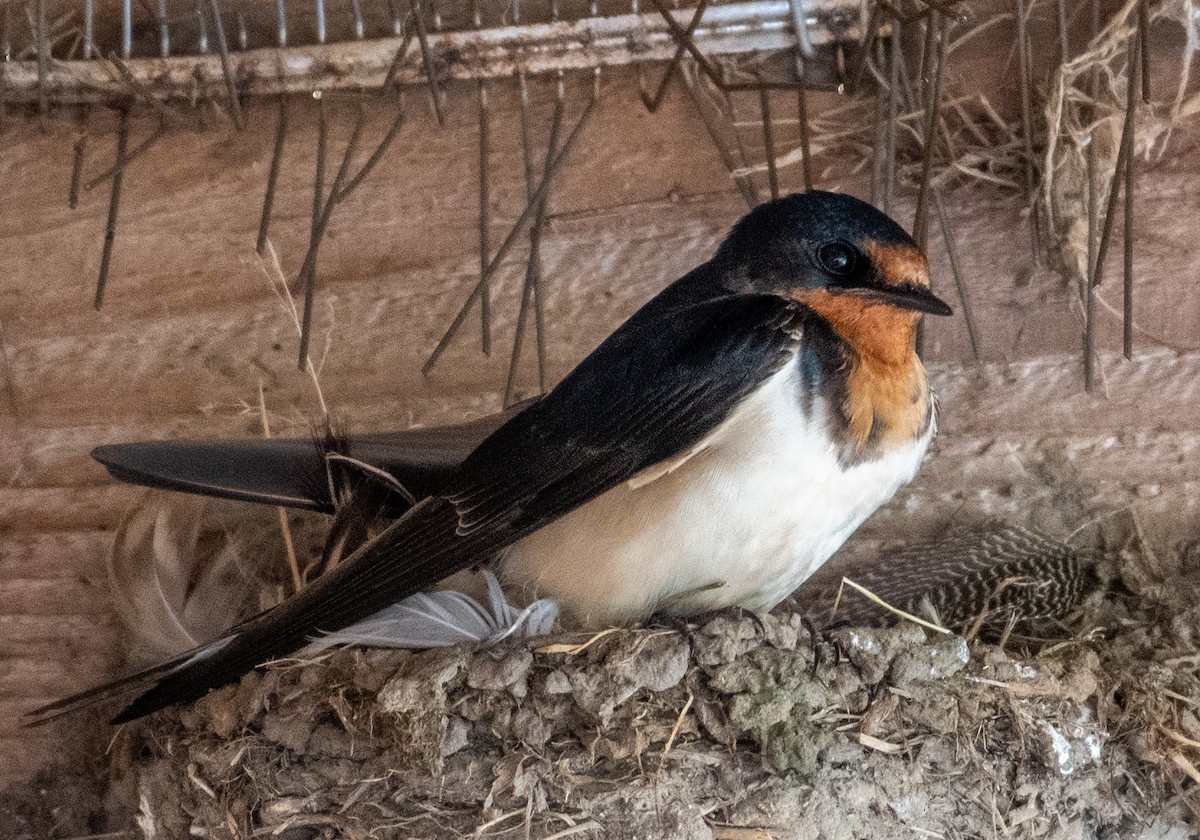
[729, 730]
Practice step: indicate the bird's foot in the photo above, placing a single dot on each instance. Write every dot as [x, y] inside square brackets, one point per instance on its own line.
[687, 624]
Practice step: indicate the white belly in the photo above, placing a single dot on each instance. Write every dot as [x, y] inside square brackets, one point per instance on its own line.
[741, 523]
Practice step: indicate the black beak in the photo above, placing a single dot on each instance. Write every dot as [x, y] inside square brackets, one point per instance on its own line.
[916, 298]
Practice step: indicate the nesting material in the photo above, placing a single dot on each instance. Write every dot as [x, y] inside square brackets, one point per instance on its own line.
[731, 731]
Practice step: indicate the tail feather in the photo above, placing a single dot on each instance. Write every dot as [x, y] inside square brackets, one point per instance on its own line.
[125, 685]
[415, 552]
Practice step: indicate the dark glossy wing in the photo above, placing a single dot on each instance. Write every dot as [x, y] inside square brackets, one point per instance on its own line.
[294, 472]
[657, 386]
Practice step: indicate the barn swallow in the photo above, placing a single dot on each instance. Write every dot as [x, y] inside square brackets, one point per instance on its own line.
[713, 452]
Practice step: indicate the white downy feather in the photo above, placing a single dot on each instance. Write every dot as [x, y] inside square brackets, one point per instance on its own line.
[443, 618]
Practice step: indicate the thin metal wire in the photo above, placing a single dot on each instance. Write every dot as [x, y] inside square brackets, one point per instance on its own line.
[43, 60]
[235, 106]
[764, 105]
[745, 184]
[89, 29]
[321, 31]
[138, 88]
[201, 28]
[398, 60]
[243, 35]
[894, 62]
[485, 248]
[519, 226]
[342, 187]
[164, 32]
[805, 136]
[126, 28]
[864, 54]
[319, 176]
[435, 90]
[932, 101]
[114, 204]
[1127, 324]
[879, 142]
[76, 170]
[652, 103]
[360, 30]
[281, 31]
[322, 212]
[1143, 29]
[377, 155]
[960, 280]
[1093, 183]
[531, 291]
[1024, 73]
[1064, 35]
[1124, 156]
[272, 175]
[128, 158]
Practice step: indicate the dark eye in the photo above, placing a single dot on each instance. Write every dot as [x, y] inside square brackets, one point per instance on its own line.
[838, 258]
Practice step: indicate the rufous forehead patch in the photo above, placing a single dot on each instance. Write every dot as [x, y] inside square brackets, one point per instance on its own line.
[898, 265]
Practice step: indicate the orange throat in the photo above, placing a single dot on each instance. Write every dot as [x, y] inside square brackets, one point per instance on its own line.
[887, 403]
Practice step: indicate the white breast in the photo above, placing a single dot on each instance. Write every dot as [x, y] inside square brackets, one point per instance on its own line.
[743, 522]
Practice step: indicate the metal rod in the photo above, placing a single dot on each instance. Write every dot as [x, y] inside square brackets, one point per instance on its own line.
[1127, 324]
[307, 279]
[272, 175]
[140, 90]
[128, 158]
[76, 171]
[43, 61]
[652, 103]
[398, 60]
[1144, 46]
[764, 105]
[932, 109]
[164, 32]
[321, 33]
[89, 29]
[745, 184]
[526, 215]
[960, 280]
[688, 40]
[1093, 193]
[1124, 155]
[531, 291]
[1064, 35]
[114, 204]
[235, 107]
[894, 61]
[805, 135]
[341, 189]
[126, 28]
[201, 37]
[319, 176]
[435, 91]
[281, 32]
[1024, 72]
[375, 156]
[360, 30]
[485, 248]
[864, 54]
[397, 18]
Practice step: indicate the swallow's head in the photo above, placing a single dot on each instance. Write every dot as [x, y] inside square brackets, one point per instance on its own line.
[820, 247]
